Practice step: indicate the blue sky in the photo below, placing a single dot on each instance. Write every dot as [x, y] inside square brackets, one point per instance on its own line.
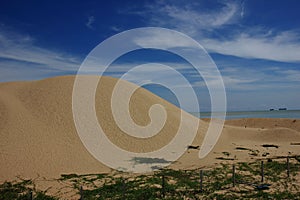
[255, 44]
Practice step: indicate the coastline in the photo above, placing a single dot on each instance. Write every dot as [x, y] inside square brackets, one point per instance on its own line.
[286, 114]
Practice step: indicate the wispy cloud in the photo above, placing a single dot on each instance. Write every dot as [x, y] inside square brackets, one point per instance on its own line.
[163, 40]
[283, 46]
[291, 75]
[268, 78]
[90, 22]
[242, 9]
[12, 70]
[235, 40]
[18, 51]
[190, 17]
[116, 28]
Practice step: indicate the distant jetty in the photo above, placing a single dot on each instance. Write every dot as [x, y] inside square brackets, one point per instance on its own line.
[272, 109]
[282, 109]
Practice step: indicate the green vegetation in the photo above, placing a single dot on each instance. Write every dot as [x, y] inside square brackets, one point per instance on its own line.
[22, 190]
[179, 184]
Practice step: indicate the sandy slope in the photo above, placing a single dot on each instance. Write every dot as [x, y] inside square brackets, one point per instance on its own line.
[38, 136]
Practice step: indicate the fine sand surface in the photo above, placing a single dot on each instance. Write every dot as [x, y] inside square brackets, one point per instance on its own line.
[38, 137]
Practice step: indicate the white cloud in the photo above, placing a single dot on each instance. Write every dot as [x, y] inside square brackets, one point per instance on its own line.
[270, 78]
[12, 70]
[242, 9]
[291, 75]
[90, 22]
[116, 28]
[283, 47]
[230, 82]
[125, 67]
[190, 18]
[236, 40]
[21, 51]
[163, 40]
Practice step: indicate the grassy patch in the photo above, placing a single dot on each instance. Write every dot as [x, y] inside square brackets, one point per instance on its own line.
[23, 189]
[217, 183]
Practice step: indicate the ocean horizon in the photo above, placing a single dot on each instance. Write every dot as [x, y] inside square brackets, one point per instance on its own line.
[292, 114]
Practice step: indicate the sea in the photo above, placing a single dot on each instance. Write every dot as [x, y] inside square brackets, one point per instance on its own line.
[292, 114]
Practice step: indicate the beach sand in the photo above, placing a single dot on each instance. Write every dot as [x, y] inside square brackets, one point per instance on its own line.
[39, 139]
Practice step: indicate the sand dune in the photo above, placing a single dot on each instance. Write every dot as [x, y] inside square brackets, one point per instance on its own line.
[38, 136]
